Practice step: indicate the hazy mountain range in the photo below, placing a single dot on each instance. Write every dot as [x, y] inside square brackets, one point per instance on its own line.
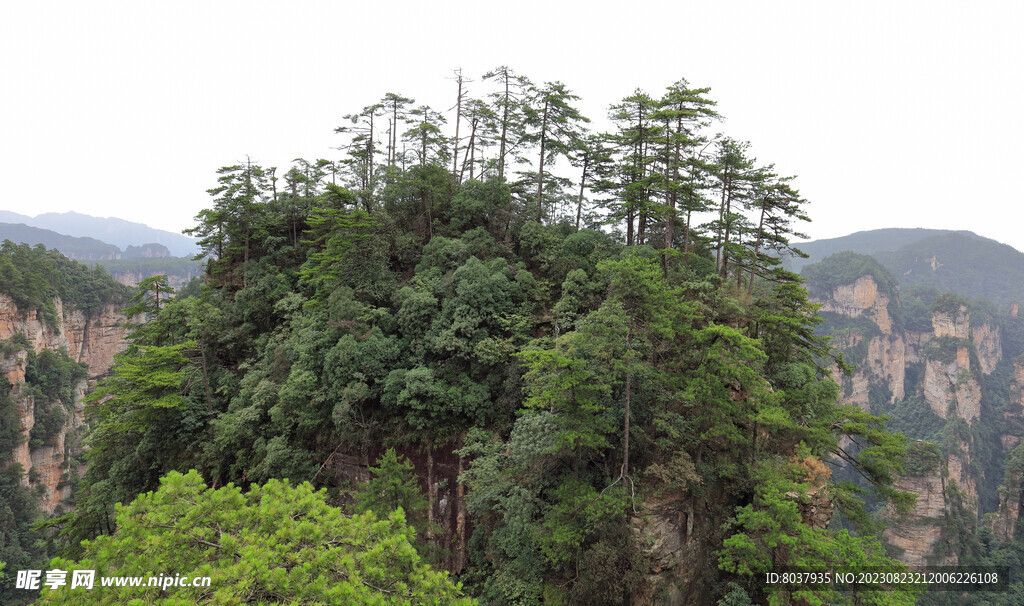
[128, 251]
[110, 230]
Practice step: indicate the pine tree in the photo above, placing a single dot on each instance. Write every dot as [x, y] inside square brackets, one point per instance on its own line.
[683, 112]
[636, 133]
[508, 104]
[555, 129]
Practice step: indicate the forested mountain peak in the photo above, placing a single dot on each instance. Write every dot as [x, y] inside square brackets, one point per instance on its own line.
[571, 358]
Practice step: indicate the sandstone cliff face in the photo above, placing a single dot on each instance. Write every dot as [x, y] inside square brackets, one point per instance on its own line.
[93, 341]
[1013, 415]
[861, 297]
[988, 343]
[917, 533]
[885, 361]
[956, 325]
[132, 278]
[952, 357]
[1006, 522]
[953, 385]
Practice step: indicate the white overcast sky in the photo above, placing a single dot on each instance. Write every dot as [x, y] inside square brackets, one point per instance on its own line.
[892, 114]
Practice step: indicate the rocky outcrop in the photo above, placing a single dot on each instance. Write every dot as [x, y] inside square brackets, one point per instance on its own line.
[916, 534]
[952, 385]
[949, 381]
[959, 470]
[988, 344]
[885, 359]
[950, 359]
[1013, 415]
[152, 250]
[91, 340]
[860, 298]
[956, 324]
[1006, 521]
[132, 278]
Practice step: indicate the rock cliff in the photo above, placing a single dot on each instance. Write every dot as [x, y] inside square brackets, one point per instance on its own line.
[949, 358]
[92, 341]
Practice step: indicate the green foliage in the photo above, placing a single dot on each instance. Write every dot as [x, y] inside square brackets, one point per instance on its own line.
[772, 532]
[17, 343]
[586, 382]
[393, 486]
[339, 239]
[10, 422]
[961, 263]
[861, 329]
[54, 375]
[277, 542]
[914, 418]
[922, 458]
[19, 547]
[943, 349]
[49, 421]
[949, 304]
[32, 277]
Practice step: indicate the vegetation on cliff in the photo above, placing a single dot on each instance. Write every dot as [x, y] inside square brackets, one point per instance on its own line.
[968, 456]
[33, 277]
[579, 358]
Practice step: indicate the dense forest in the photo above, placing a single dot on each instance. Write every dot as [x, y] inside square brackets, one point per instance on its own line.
[506, 347]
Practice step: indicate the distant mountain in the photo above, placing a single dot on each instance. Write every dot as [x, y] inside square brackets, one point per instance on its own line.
[113, 230]
[128, 267]
[7, 216]
[863, 242]
[961, 262]
[82, 249]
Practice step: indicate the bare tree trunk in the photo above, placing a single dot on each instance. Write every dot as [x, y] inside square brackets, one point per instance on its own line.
[629, 387]
[540, 168]
[458, 119]
[670, 201]
[504, 131]
[431, 493]
[721, 221]
[460, 521]
[757, 247]
[467, 156]
[583, 182]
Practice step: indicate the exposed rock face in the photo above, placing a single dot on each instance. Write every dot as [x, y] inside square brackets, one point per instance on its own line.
[958, 469]
[1013, 415]
[861, 297]
[917, 533]
[885, 362]
[956, 325]
[988, 344]
[953, 355]
[676, 537]
[952, 383]
[93, 341]
[147, 251]
[1006, 523]
[175, 280]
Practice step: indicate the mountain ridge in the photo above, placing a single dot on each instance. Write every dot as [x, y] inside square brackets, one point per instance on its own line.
[957, 261]
[113, 230]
